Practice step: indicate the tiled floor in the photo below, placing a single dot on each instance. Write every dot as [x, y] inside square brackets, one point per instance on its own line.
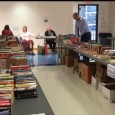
[67, 94]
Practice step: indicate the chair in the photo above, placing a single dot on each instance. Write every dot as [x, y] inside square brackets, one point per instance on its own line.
[103, 38]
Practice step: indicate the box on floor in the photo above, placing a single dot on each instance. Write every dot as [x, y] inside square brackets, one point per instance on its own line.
[87, 70]
[94, 82]
[109, 92]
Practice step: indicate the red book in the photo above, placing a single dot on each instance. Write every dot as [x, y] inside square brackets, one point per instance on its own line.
[6, 82]
[4, 101]
[5, 104]
[24, 67]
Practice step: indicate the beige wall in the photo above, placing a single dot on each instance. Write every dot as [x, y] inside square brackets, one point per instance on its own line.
[32, 14]
[59, 15]
[112, 18]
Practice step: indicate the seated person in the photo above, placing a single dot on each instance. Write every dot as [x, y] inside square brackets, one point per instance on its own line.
[27, 41]
[7, 32]
[51, 42]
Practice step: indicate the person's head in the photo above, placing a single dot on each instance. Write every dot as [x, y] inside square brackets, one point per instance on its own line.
[6, 27]
[49, 28]
[76, 16]
[24, 28]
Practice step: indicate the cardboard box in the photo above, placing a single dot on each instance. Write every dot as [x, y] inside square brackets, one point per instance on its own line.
[41, 50]
[77, 60]
[76, 66]
[70, 61]
[94, 82]
[19, 61]
[70, 52]
[108, 82]
[100, 87]
[63, 59]
[101, 72]
[88, 69]
[16, 48]
[109, 92]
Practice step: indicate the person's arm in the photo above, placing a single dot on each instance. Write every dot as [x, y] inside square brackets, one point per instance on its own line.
[46, 33]
[54, 34]
[30, 34]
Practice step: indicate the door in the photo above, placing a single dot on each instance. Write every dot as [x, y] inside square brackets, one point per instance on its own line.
[90, 12]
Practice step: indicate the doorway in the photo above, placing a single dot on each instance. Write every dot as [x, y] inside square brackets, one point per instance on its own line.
[90, 12]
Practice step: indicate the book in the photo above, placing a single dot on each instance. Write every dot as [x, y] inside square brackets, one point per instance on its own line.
[26, 94]
[2, 82]
[25, 81]
[25, 85]
[7, 77]
[24, 73]
[5, 104]
[8, 86]
[103, 49]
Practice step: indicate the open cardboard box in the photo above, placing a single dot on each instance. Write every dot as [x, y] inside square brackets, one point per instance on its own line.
[109, 92]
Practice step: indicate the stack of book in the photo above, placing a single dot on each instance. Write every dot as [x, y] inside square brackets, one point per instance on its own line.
[5, 107]
[20, 68]
[25, 82]
[6, 93]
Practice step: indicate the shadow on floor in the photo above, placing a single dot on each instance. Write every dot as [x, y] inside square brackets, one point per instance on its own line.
[43, 60]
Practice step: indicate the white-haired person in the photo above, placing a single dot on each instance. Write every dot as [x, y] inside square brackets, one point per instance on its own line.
[51, 42]
[81, 28]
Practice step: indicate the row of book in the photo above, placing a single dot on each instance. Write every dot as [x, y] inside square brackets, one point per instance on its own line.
[25, 82]
[6, 93]
[16, 77]
[6, 80]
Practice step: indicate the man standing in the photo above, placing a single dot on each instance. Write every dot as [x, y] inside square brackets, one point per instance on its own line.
[81, 28]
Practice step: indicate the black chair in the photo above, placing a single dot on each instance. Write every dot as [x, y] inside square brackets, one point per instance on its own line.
[103, 38]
